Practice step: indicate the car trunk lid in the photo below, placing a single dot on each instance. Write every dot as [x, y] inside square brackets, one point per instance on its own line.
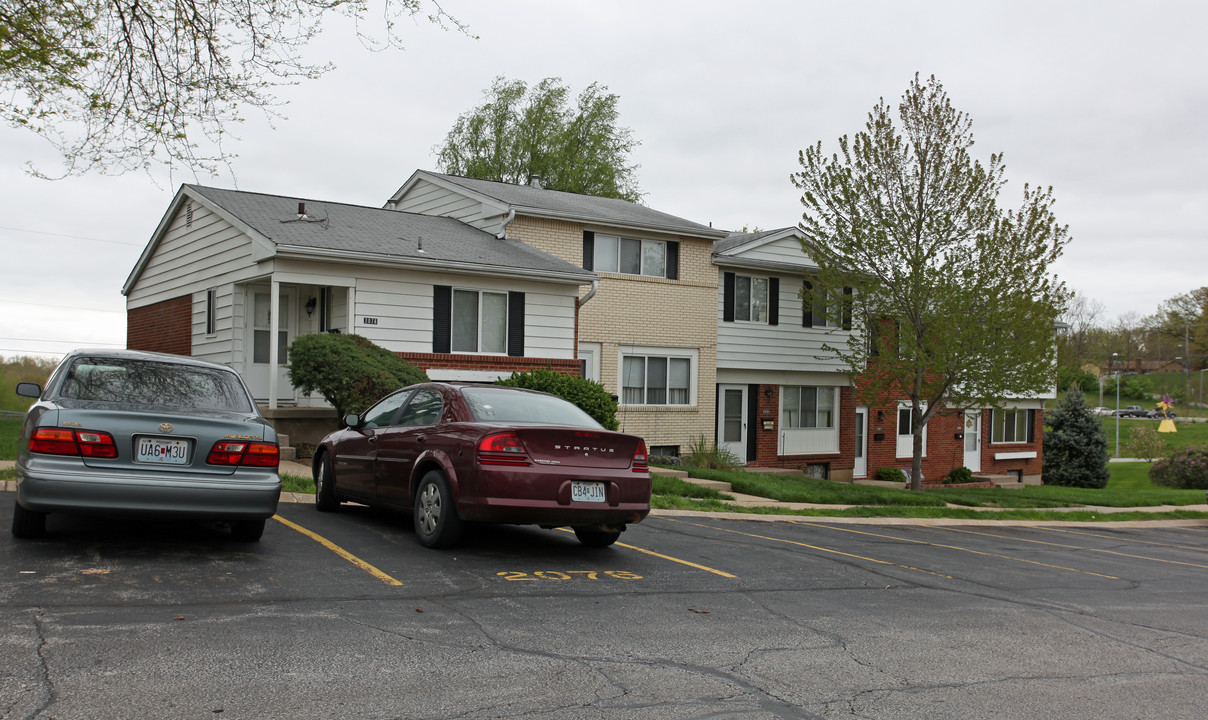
[578, 447]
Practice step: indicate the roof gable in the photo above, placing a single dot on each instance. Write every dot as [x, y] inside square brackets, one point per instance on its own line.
[536, 201]
[778, 249]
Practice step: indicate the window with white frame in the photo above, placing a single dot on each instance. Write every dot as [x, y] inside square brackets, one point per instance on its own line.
[1011, 426]
[480, 321]
[211, 311]
[630, 256]
[750, 298]
[650, 379]
[826, 308]
[807, 407]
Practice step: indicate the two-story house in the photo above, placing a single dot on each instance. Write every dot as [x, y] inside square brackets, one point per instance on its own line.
[647, 328]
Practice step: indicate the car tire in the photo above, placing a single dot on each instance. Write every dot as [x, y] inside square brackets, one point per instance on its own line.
[325, 486]
[246, 530]
[596, 538]
[28, 524]
[437, 524]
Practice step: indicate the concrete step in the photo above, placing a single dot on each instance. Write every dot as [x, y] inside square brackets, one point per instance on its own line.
[288, 454]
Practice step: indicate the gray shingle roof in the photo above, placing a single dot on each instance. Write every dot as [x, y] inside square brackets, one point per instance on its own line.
[738, 239]
[357, 229]
[556, 203]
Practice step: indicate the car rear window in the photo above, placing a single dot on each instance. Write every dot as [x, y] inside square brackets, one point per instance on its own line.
[510, 406]
[142, 382]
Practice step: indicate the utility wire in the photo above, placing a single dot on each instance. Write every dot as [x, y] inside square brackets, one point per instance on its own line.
[73, 237]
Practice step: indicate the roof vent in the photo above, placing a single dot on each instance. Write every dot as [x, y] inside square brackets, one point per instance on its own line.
[535, 182]
[302, 211]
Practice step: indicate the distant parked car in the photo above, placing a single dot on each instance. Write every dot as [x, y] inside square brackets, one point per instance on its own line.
[1102, 412]
[1132, 411]
[1158, 414]
[449, 454]
[119, 432]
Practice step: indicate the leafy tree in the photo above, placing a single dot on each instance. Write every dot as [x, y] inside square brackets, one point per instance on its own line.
[349, 371]
[116, 85]
[20, 369]
[910, 222]
[522, 133]
[589, 395]
[1075, 447]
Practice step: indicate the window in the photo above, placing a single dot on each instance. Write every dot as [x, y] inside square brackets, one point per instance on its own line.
[383, 413]
[325, 302]
[262, 328]
[211, 310]
[905, 444]
[630, 256]
[1012, 426]
[423, 410]
[480, 321]
[655, 380]
[807, 407]
[751, 298]
[826, 308]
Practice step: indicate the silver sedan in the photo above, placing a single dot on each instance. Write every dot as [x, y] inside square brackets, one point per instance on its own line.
[119, 432]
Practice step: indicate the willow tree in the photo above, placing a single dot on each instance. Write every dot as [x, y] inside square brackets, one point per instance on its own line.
[950, 292]
[520, 133]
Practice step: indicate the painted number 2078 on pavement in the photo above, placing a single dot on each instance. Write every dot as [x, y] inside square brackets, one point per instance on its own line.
[569, 575]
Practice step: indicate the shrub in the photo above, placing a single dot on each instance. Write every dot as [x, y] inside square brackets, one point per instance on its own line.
[704, 453]
[1075, 448]
[891, 474]
[349, 371]
[589, 395]
[958, 475]
[1186, 469]
[1146, 444]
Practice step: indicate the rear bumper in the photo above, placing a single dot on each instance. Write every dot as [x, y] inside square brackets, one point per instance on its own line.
[55, 485]
[552, 514]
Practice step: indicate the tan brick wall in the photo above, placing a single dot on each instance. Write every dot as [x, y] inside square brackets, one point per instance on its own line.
[629, 310]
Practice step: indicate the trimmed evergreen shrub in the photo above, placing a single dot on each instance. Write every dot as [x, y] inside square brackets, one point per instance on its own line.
[349, 371]
[1187, 469]
[589, 395]
[891, 474]
[958, 475]
[1075, 448]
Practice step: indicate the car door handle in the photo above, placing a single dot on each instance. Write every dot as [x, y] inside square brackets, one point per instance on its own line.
[372, 439]
[419, 439]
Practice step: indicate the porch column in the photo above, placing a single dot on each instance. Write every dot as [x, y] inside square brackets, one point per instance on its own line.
[274, 332]
[352, 308]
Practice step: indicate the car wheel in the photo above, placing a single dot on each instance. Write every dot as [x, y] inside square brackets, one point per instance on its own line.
[596, 538]
[325, 486]
[436, 522]
[28, 524]
[247, 530]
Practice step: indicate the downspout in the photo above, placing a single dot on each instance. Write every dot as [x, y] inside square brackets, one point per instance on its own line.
[595, 285]
[503, 231]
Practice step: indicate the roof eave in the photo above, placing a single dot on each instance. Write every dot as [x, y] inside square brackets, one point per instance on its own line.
[433, 264]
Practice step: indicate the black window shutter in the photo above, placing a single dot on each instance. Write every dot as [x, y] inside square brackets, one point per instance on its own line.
[1031, 426]
[442, 318]
[727, 297]
[589, 250]
[516, 324]
[807, 305]
[847, 308]
[774, 301]
[751, 418]
[874, 338]
[673, 261]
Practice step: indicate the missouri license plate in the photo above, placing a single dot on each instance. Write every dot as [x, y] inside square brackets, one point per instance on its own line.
[581, 491]
[161, 451]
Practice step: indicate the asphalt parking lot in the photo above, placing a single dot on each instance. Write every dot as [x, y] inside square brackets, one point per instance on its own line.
[345, 615]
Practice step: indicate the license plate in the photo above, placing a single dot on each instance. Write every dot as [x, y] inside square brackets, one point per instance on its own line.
[161, 451]
[587, 491]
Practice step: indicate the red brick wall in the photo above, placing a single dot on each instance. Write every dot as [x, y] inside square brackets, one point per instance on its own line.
[165, 327]
[498, 363]
[767, 441]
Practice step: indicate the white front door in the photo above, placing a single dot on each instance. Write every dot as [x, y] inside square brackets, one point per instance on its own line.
[861, 467]
[262, 331]
[732, 420]
[973, 440]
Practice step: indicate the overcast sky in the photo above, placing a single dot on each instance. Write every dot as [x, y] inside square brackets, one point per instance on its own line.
[1104, 101]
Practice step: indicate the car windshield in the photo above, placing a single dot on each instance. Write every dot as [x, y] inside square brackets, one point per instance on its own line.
[143, 382]
[489, 404]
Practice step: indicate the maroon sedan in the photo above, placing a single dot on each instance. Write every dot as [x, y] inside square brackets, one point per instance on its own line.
[452, 454]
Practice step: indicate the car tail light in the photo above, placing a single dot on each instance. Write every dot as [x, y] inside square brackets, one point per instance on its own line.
[61, 441]
[257, 454]
[640, 459]
[502, 449]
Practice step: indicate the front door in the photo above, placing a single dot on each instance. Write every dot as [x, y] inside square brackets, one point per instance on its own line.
[262, 330]
[973, 440]
[860, 469]
[732, 420]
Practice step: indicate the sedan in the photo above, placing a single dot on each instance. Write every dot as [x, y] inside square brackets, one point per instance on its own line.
[120, 433]
[451, 454]
[1102, 412]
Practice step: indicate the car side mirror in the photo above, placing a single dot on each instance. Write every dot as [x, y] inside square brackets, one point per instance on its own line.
[28, 389]
[352, 420]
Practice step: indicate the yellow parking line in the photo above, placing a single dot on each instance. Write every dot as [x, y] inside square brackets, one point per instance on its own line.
[1125, 538]
[667, 557]
[339, 551]
[955, 547]
[1077, 547]
[813, 547]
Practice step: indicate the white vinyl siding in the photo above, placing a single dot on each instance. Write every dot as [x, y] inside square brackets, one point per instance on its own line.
[428, 198]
